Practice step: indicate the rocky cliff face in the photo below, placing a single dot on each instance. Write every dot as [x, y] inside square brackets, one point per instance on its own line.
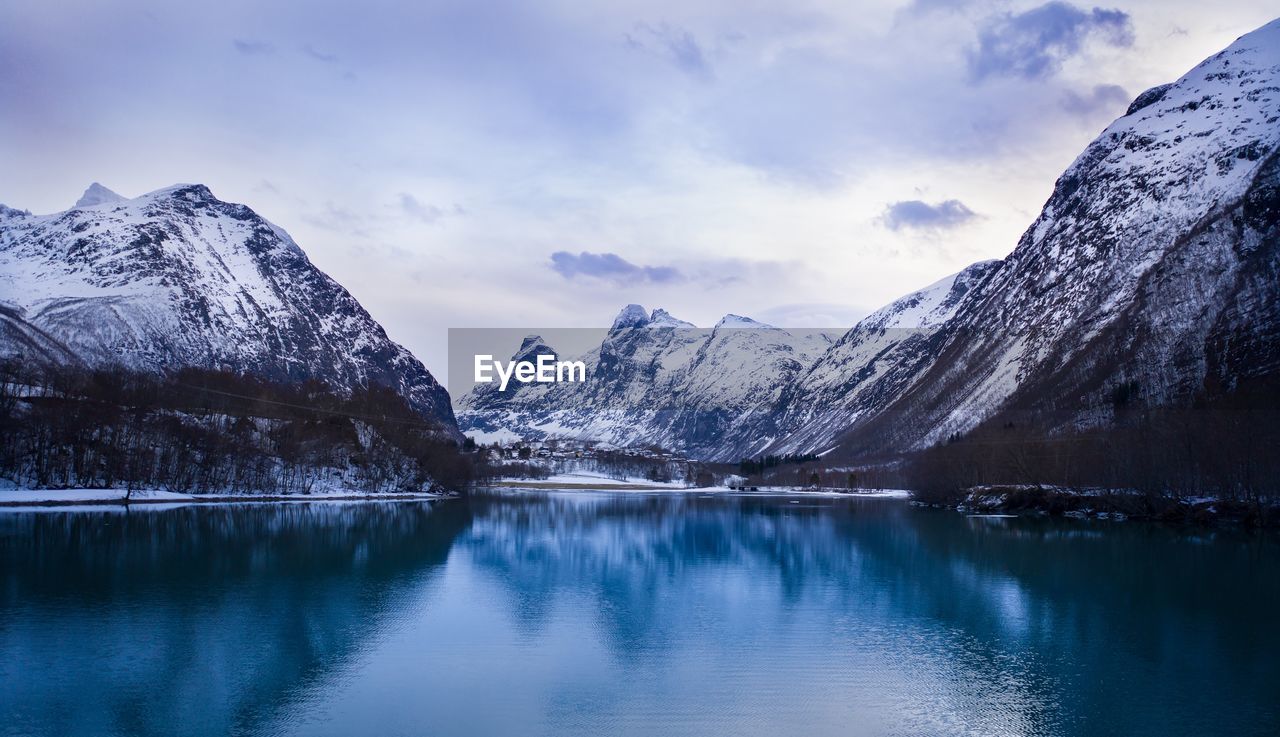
[655, 380]
[179, 278]
[869, 367]
[1151, 272]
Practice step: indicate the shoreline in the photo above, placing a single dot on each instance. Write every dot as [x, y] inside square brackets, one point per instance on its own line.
[63, 498]
[1111, 505]
[539, 485]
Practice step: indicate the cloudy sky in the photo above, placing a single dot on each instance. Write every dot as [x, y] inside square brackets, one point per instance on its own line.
[504, 164]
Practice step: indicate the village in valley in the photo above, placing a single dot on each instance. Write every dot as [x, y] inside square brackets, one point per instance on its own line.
[566, 458]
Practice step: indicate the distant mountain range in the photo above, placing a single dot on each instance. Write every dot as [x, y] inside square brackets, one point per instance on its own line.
[1152, 275]
[178, 278]
[654, 380]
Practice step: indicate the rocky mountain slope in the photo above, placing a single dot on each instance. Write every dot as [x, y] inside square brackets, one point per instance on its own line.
[868, 367]
[1152, 275]
[654, 380]
[178, 278]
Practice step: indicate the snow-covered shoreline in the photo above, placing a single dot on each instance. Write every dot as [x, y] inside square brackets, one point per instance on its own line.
[599, 482]
[17, 500]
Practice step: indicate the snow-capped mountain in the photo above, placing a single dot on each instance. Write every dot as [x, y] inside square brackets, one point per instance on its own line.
[1153, 273]
[1153, 270]
[179, 278]
[868, 367]
[654, 380]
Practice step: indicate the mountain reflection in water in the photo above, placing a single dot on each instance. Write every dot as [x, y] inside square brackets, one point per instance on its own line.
[630, 613]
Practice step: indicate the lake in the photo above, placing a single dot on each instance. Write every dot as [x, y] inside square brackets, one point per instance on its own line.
[591, 613]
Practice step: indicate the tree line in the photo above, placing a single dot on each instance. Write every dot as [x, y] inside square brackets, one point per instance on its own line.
[757, 466]
[1224, 444]
[213, 431]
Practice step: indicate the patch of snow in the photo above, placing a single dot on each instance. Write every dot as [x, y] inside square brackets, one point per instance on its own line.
[502, 436]
[738, 321]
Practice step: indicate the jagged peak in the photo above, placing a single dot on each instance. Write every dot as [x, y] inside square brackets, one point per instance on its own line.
[532, 346]
[660, 318]
[186, 191]
[739, 321]
[632, 315]
[96, 194]
[932, 305]
[13, 212]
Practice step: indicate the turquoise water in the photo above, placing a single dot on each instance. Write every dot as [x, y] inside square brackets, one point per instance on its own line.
[623, 613]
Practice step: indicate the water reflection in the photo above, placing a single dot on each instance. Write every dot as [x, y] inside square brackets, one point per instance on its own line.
[590, 613]
[936, 622]
[200, 619]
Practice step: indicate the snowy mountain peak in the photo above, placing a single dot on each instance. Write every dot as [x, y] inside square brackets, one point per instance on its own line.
[1152, 265]
[97, 194]
[10, 212]
[531, 347]
[660, 318]
[738, 321]
[530, 341]
[178, 278]
[933, 305]
[188, 192]
[632, 315]
[654, 380]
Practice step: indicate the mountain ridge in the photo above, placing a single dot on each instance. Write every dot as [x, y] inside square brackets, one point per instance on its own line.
[177, 277]
[653, 380]
[1151, 272]
[1120, 281]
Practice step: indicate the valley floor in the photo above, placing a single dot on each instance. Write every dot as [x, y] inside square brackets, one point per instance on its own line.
[587, 481]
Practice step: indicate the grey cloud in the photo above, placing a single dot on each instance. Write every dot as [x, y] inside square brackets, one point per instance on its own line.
[929, 6]
[610, 267]
[419, 210]
[251, 47]
[1102, 98]
[674, 44]
[919, 215]
[340, 219]
[318, 55]
[1033, 44]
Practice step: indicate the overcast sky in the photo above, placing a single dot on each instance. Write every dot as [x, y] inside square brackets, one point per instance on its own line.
[510, 164]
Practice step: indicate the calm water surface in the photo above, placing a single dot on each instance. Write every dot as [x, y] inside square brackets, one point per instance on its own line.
[603, 613]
